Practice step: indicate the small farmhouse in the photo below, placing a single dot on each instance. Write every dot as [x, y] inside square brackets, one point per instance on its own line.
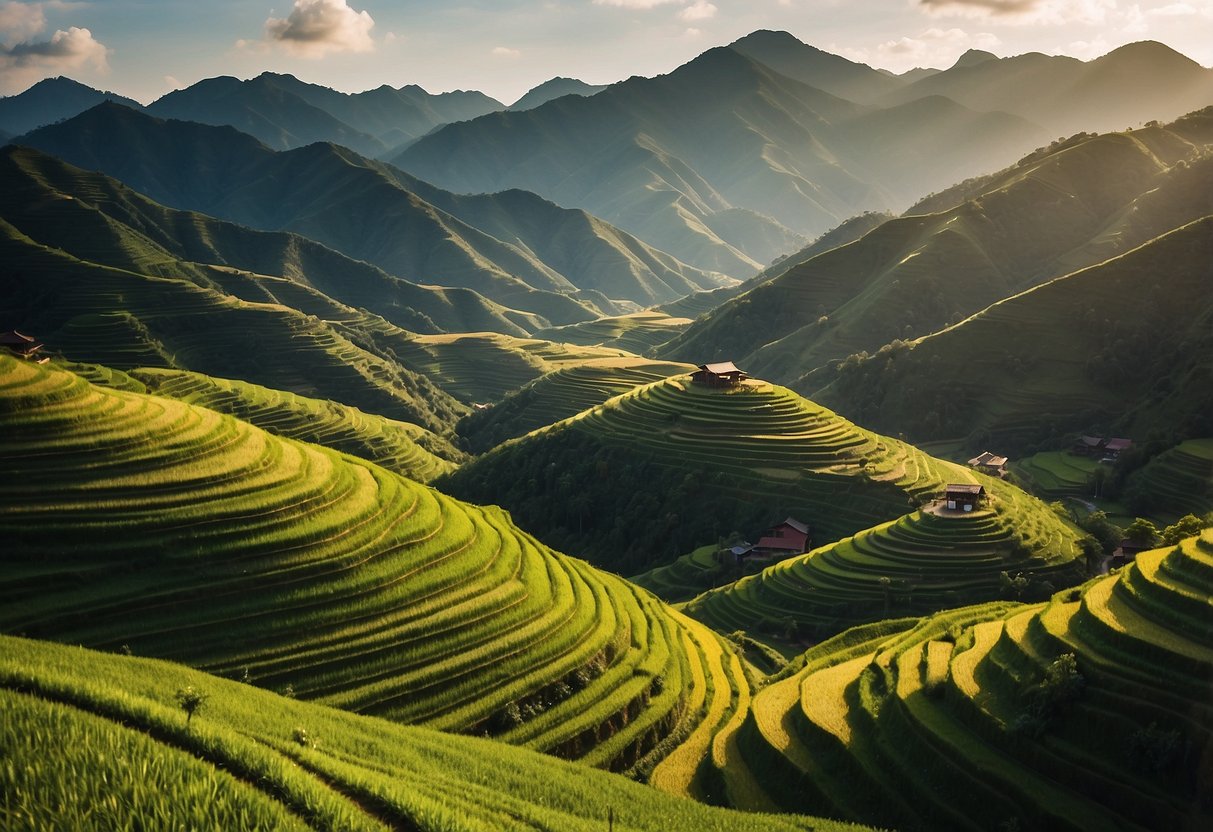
[721, 374]
[1127, 551]
[986, 462]
[19, 344]
[963, 496]
[1113, 447]
[791, 537]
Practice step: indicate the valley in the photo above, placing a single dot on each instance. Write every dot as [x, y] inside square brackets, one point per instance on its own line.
[778, 441]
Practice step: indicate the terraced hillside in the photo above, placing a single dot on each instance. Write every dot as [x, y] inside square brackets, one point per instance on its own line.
[125, 319]
[638, 332]
[1090, 711]
[923, 562]
[406, 449]
[673, 465]
[559, 395]
[1176, 482]
[1090, 352]
[144, 523]
[1056, 474]
[94, 740]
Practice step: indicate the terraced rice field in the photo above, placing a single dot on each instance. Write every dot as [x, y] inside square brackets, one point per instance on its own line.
[1056, 474]
[144, 523]
[915, 565]
[1179, 481]
[639, 332]
[559, 395]
[409, 450]
[484, 366]
[92, 740]
[971, 721]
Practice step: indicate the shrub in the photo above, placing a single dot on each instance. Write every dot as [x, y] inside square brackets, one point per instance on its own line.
[191, 701]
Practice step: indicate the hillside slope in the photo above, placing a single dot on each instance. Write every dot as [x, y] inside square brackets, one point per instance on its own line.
[1125, 344]
[51, 100]
[1090, 711]
[364, 210]
[673, 465]
[184, 534]
[1075, 204]
[100, 220]
[96, 740]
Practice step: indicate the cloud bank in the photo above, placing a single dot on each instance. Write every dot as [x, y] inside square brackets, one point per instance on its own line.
[315, 28]
[25, 60]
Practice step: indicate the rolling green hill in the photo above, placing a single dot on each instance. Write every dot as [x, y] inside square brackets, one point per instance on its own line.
[1178, 481]
[99, 314]
[639, 332]
[97, 741]
[1125, 344]
[365, 210]
[98, 219]
[673, 465]
[1087, 712]
[144, 523]
[1073, 205]
[558, 395]
[723, 162]
[930, 560]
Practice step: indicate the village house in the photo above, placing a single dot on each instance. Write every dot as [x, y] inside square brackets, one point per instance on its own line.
[1086, 445]
[21, 345]
[986, 462]
[963, 496]
[1113, 447]
[720, 374]
[1107, 449]
[1127, 552]
[791, 537]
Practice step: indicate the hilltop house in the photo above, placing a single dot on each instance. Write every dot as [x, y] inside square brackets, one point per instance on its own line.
[21, 345]
[963, 496]
[791, 537]
[721, 374]
[986, 462]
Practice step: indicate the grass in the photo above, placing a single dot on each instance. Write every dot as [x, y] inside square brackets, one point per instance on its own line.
[1053, 475]
[143, 523]
[955, 722]
[639, 332]
[92, 740]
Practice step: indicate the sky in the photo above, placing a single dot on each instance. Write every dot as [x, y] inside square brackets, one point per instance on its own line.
[146, 48]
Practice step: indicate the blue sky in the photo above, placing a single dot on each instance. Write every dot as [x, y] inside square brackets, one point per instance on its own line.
[144, 48]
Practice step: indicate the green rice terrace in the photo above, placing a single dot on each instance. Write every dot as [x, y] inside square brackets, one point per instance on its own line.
[96, 741]
[1178, 481]
[1056, 474]
[559, 395]
[1089, 711]
[687, 464]
[930, 560]
[142, 523]
[639, 332]
[407, 449]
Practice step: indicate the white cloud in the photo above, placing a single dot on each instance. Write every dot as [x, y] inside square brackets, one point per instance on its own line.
[172, 82]
[20, 21]
[28, 61]
[315, 28]
[505, 52]
[699, 10]
[1024, 12]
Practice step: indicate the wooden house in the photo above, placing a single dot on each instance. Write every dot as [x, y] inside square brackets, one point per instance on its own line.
[963, 496]
[1087, 445]
[1113, 447]
[791, 537]
[1127, 551]
[986, 462]
[721, 374]
[19, 344]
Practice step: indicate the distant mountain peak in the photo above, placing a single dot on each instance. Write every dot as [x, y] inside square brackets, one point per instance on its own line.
[973, 57]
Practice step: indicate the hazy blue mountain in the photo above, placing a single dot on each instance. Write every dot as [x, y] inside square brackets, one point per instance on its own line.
[50, 100]
[365, 210]
[1128, 86]
[787, 55]
[724, 162]
[555, 88]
